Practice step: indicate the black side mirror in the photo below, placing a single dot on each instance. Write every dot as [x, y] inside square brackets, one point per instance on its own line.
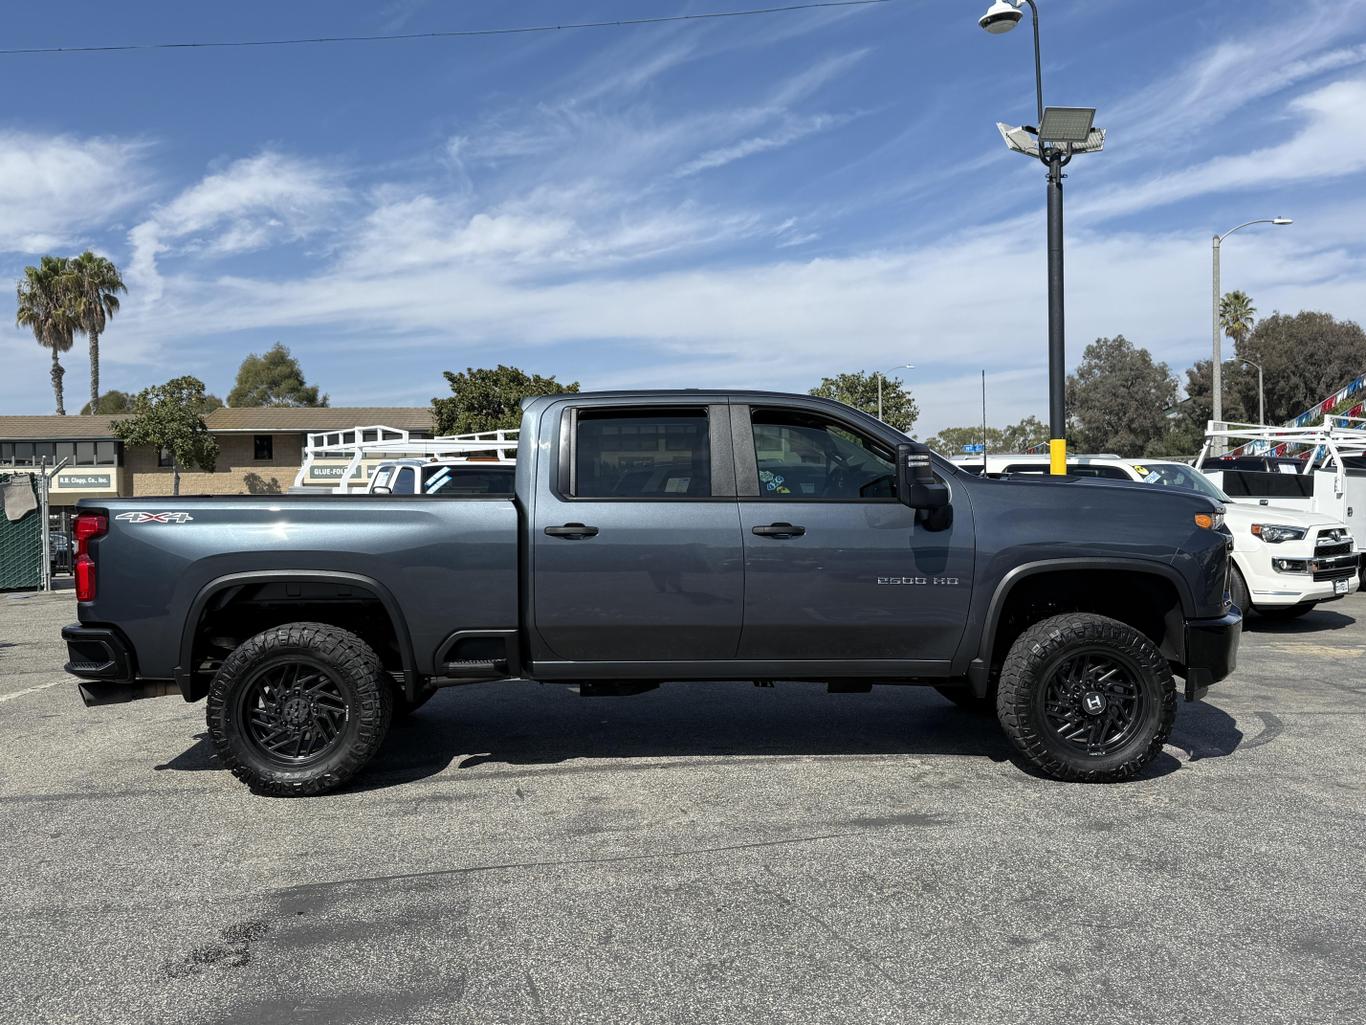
[916, 484]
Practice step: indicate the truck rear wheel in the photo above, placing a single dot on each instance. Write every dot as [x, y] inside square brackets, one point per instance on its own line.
[1083, 697]
[299, 709]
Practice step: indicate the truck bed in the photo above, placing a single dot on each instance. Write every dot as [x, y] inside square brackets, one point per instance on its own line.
[443, 561]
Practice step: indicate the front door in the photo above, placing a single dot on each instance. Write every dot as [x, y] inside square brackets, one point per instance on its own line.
[835, 566]
[637, 553]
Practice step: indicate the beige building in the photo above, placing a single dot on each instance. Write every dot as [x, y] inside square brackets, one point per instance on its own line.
[260, 451]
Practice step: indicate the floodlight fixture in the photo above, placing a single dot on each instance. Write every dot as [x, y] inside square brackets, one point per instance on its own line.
[1067, 124]
[1001, 17]
[1024, 139]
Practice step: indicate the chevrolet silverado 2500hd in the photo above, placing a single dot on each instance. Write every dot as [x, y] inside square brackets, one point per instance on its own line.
[653, 536]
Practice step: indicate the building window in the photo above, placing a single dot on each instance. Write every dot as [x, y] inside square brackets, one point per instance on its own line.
[263, 446]
[164, 458]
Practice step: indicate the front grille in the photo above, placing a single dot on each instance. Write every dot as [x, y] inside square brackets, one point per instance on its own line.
[1334, 569]
[1333, 541]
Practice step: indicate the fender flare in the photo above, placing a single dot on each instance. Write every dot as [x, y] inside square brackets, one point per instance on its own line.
[358, 581]
[980, 667]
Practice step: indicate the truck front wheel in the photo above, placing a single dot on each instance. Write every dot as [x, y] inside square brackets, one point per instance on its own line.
[299, 709]
[1084, 697]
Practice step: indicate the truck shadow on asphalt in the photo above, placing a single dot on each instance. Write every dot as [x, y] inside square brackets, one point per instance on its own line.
[1317, 621]
[521, 726]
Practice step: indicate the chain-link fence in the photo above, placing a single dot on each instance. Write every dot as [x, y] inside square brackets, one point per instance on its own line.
[21, 539]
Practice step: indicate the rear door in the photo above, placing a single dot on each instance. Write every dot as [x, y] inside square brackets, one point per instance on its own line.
[835, 566]
[637, 553]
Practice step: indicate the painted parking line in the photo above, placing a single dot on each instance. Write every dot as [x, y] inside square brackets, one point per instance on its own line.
[30, 690]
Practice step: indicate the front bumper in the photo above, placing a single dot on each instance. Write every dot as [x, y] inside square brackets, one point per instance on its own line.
[1211, 651]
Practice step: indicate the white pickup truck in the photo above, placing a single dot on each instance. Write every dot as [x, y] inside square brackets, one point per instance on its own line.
[1285, 561]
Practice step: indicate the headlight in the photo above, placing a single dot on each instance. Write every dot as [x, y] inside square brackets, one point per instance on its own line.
[1210, 521]
[1274, 534]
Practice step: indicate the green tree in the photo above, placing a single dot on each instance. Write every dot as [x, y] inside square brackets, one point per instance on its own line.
[166, 417]
[273, 379]
[112, 401]
[1189, 417]
[859, 389]
[1015, 438]
[490, 399]
[1237, 315]
[44, 309]
[1117, 399]
[1307, 357]
[92, 286]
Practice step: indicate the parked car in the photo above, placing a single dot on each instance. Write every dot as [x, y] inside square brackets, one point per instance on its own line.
[442, 477]
[1286, 561]
[655, 536]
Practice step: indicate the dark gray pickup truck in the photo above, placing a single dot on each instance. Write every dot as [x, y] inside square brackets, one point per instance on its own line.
[653, 536]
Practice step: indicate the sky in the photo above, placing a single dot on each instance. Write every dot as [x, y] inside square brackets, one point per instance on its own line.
[752, 202]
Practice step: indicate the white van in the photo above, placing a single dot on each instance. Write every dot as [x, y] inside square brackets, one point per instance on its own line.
[1285, 561]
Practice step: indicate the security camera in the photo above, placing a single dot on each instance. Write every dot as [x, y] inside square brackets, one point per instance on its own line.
[1001, 17]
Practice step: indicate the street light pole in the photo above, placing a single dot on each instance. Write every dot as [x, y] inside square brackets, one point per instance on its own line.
[1261, 393]
[1217, 370]
[883, 373]
[1001, 17]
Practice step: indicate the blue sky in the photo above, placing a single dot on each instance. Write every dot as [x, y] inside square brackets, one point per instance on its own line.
[748, 202]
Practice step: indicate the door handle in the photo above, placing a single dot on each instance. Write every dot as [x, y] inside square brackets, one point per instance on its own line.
[574, 531]
[780, 530]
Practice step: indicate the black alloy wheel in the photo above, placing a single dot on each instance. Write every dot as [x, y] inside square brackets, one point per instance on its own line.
[1093, 702]
[294, 711]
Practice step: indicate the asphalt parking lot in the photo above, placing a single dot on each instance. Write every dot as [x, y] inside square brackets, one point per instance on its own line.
[702, 853]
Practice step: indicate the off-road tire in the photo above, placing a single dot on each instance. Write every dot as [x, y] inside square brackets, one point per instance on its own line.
[1284, 612]
[404, 708]
[1242, 597]
[966, 699]
[348, 661]
[1026, 674]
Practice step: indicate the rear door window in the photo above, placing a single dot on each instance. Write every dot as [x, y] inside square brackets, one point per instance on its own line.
[655, 454]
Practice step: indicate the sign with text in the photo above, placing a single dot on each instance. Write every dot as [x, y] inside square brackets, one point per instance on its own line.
[85, 480]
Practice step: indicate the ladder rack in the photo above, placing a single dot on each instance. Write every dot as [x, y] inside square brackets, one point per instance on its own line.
[358, 444]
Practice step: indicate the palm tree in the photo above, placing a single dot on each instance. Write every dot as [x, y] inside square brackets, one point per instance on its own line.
[1236, 316]
[43, 307]
[93, 283]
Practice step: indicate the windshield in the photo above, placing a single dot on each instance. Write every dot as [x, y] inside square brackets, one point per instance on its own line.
[1178, 475]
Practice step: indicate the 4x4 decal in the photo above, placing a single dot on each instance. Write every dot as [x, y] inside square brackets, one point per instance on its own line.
[146, 517]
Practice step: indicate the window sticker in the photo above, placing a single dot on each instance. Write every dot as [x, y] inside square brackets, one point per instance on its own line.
[774, 482]
[677, 485]
[1142, 471]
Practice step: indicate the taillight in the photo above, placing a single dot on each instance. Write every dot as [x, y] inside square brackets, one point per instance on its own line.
[85, 527]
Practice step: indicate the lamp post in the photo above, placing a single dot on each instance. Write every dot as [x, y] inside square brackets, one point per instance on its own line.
[1261, 393]
[1061, 134]
[883, 373]
[1217, 369]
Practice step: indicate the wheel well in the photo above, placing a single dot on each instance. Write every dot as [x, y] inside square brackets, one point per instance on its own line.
[1147, 602]
[240, 611]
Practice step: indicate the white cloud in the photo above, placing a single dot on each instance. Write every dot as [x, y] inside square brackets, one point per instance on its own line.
[1331, 143]
[56, 189]
[794, 130]
[253, 202]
